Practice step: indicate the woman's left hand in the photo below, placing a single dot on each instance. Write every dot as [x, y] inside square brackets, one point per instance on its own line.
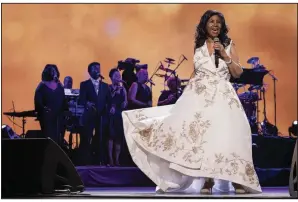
[218, 46]
[112, 110]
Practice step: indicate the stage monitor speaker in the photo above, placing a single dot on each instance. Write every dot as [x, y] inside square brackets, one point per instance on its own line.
[36, 166]
[293, 184]
[34, 134]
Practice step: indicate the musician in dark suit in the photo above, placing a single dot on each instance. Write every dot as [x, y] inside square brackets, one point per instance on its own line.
[96, 97]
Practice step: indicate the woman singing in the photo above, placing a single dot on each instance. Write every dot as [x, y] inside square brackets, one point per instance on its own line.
[50, 104]
[119, 103]
[205, 136]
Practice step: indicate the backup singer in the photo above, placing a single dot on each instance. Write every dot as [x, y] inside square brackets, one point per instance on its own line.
[50, 104]
[205, 135]
[139, 94]
[119, 103]
[96, 97]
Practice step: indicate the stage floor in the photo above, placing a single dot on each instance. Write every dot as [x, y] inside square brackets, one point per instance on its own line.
[149, 192]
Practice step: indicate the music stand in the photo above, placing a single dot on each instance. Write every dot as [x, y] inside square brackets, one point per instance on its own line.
[250, 76]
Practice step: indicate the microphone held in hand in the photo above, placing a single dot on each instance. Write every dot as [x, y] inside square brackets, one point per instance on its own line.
[216, 52]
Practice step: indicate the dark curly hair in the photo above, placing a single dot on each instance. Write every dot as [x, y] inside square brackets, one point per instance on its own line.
[201, 32]
[112, 71]
[48, 72]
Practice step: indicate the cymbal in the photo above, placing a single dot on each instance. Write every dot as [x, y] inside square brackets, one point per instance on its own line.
[160, 75]
[252, 60]
[169, 62]
[170, 59]
[30, 113]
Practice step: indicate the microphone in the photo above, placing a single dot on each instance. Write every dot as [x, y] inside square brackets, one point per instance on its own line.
[216, 52]
[101, 77]
[184, 57]
[151, 82]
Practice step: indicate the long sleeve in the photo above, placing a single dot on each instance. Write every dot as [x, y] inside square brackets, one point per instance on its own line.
[38, 100]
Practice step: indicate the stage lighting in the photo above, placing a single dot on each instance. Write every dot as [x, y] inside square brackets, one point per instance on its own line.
[7, 132]
[293, 129]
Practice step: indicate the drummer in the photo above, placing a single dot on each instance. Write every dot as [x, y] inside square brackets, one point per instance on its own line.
[170, 96]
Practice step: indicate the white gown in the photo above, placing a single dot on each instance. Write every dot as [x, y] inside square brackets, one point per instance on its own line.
[204, 135]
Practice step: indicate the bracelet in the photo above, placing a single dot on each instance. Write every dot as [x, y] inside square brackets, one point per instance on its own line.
[229, 62]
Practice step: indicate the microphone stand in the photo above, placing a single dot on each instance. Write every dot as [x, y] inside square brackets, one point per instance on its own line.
[176, 76]
[274, 95]
[258, 111]
[174, 71]
[152, 77]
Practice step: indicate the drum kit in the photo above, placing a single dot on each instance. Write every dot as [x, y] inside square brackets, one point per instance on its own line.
[255, 93]
[168, 72]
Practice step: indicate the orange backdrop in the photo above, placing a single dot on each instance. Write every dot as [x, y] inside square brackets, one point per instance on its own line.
[73, 35]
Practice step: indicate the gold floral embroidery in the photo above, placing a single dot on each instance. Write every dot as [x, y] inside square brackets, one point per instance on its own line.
[200, 75]
[230, 95]
[224, 72]
[199, 88]
[139, 115]
[146, 134]
[168, 143]
[155, 138]
[233, 166]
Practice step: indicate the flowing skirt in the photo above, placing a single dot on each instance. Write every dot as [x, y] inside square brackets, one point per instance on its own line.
[204, 135]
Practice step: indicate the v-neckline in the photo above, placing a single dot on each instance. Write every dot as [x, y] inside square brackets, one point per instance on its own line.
[51, 88]
[206, 45]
